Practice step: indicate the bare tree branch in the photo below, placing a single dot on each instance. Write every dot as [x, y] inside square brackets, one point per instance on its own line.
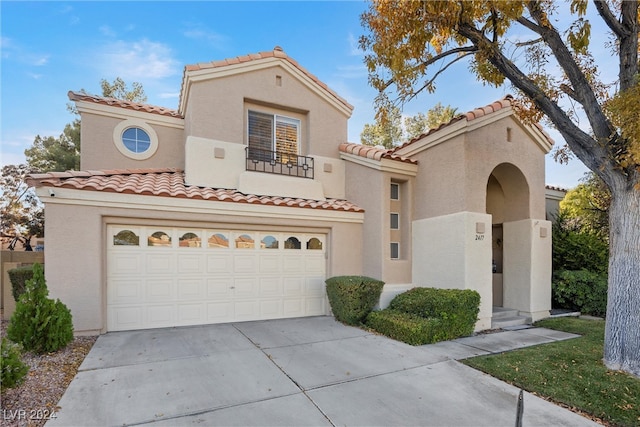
[581, 143]
[609, 18]
[440, 71]
[464, 49]
[530, 42]
[600, 125]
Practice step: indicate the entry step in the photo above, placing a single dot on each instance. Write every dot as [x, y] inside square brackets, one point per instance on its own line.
[506, 317]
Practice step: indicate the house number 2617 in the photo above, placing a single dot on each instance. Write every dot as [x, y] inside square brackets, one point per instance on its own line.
[479, 236]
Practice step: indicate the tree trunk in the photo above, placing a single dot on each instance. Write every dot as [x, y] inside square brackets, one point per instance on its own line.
[622, 334]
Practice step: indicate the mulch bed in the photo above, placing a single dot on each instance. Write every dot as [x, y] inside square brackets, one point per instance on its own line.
[35, 401]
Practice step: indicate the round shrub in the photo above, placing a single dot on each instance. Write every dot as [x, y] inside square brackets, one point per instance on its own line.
[457, 308]
[352, 298]
[12, 369]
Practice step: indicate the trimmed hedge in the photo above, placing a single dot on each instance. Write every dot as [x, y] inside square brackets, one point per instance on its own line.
[406, 327]
[19, 277]
[352, 298]
[458, 308]
[580, 290]
[428, 315]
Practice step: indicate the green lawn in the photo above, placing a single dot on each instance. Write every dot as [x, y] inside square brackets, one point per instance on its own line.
[570, 372]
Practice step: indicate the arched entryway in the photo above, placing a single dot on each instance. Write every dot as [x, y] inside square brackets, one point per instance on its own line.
[507, 201]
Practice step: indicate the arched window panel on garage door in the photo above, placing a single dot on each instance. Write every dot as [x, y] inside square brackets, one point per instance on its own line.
[245, 241]
[269, 242]
[159, 238]
[219, 240]
[314, 243]
[125, 237]
[189, 239]
[292, 243]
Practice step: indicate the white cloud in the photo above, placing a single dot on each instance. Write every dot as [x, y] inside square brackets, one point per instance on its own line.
[106, 30]
[352, 71]
[12, 50]
[169, 95]
[199, 32]
[354, 47]
[140, 60]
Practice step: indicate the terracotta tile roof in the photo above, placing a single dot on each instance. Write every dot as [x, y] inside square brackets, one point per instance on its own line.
[476, 113]
[169, 182]
[80, 96]
[551, 187]
[277, 52]
[373, 153]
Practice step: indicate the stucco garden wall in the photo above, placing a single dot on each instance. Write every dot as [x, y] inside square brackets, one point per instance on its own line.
[454, 252]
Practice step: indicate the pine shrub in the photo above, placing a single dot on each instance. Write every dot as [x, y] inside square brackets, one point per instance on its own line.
[39, 323]
[12, 369]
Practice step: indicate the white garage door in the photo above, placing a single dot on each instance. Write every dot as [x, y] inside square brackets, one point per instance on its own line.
[170, 276]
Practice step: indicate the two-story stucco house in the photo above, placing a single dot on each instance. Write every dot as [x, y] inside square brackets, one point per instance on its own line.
[240, 203]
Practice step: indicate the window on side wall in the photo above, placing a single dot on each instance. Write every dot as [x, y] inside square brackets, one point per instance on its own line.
[395, 250]
[395, 191]
[273, 137]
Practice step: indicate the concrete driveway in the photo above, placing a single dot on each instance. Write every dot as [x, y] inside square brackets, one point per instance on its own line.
[297, 372]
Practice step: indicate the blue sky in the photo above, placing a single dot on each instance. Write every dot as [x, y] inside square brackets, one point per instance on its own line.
[49, 48]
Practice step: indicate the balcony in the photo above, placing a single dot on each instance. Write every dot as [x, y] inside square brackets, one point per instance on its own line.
[278, 163]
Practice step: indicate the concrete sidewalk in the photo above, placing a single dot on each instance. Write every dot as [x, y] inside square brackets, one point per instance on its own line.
[297, 372]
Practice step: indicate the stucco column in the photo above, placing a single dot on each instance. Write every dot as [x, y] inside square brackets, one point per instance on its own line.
[454, 252]
[527, 267]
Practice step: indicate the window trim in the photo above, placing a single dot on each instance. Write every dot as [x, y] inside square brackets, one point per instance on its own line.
[274, 121]
[391, 215]
[118, 133]
[396, 185]
[391, 250]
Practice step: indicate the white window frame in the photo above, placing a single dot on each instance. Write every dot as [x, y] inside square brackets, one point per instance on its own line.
[397, 216]
[397, 186]
[278, 118]
[391, 250]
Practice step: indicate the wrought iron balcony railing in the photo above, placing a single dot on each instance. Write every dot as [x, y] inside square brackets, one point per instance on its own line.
[278, 163]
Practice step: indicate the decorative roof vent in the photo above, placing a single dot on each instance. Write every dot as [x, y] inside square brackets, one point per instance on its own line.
[278, 48]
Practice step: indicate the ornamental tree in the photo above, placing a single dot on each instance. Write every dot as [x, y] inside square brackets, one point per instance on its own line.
[21, 213]
[555, 76]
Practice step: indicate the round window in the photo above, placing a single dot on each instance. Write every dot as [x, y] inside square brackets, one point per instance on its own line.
[136, 140]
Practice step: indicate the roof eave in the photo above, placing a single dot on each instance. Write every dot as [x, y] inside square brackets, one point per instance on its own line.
[197, 75]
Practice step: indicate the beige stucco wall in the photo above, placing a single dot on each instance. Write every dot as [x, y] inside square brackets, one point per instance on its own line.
[98, 150]
[527, 267]
[10, 260]
[453, 175]
[370, 189]
[76, 239]
[366, 188]
[216, 109]
[553, 197]
[449, 253]
[220, 164]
